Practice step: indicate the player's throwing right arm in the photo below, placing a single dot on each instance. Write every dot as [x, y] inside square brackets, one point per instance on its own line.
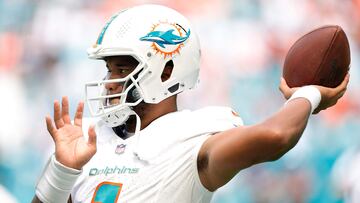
[224, 154]
[72, 152]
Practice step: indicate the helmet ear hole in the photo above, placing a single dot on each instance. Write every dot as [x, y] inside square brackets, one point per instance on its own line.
[166, 74]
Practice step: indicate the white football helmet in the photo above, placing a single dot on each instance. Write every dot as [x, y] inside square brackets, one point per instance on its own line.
[153, 35]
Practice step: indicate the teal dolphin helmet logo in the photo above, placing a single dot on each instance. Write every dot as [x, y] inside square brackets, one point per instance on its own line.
[164, 38]
[167, 38]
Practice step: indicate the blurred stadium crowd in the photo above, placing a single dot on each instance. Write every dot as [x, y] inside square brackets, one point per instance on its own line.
[244, 42]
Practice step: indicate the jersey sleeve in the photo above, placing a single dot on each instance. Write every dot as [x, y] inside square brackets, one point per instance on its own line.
[218, 119]
[214, 119]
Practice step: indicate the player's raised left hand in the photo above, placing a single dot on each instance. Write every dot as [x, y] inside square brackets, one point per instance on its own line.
[71, 148]
[329, 96]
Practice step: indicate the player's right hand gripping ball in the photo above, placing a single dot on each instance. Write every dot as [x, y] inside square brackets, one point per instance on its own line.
[320, 57]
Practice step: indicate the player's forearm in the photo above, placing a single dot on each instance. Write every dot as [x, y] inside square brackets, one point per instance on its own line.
[231, 151]
[289, 124]
[242, 147]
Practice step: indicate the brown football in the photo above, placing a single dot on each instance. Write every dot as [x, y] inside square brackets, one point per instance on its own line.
[320, 57]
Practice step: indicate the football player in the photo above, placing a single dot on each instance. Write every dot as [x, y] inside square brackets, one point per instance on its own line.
[143, 149]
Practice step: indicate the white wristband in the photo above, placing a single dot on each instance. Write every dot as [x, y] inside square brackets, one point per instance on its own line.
[56, 182]
[311, 93]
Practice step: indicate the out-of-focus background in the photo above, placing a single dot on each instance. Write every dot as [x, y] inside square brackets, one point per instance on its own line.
[43, 56]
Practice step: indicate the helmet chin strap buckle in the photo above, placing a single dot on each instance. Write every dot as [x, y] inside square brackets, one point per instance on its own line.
[117, 117]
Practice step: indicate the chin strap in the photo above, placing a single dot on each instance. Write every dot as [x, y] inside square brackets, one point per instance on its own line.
[117, 117]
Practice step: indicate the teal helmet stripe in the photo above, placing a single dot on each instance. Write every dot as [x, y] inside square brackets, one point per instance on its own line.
[101, 36]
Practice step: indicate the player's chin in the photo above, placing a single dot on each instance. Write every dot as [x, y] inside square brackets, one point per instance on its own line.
[114, 101]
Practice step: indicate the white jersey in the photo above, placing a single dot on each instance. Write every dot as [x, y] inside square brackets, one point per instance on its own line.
[158, 164]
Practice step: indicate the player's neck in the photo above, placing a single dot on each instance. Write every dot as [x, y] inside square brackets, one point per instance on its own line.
[150, 112]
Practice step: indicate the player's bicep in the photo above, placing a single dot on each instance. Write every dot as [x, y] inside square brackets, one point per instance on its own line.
[226, 153]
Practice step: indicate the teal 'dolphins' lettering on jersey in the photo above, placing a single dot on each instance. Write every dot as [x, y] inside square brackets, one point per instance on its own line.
[112, 170]
[165, 155]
